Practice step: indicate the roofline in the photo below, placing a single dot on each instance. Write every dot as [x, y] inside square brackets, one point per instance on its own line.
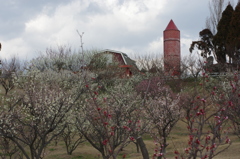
[123, 58]
[171, 26]
[119, 52]
[113, 51]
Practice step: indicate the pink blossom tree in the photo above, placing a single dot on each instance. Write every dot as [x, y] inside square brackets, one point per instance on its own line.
[231, 98]
[206, 119]
[110, 121]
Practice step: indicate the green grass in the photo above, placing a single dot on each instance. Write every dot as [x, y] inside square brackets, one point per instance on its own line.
[177, 140]
[52, 149]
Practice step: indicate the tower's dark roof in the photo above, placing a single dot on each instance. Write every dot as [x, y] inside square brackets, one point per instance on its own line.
[171, 26]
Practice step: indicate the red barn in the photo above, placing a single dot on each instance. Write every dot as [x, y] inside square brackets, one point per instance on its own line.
[121, 59]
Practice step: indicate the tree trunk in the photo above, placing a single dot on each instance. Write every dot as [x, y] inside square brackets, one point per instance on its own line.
[143, 148]
[137, 146]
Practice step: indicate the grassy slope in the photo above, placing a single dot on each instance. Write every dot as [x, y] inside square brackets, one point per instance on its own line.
[177, 140]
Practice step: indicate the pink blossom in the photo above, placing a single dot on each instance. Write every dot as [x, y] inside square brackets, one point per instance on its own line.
[105, 113]
[131, 138]
[197, 141]
[213, 146]
[203, 100]
[202, 111]
[104, 99]
[227, 140]
[219, 122]
[208, 137]
[207, 148]
[191, 139]
[176, 152]
[105, 142]
[126, 128]
[230, 103]
[198, 113]
[196, 107]
[112, 133]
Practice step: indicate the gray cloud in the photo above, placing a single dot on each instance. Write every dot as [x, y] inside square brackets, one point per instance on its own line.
[134, 26]
[14, 14]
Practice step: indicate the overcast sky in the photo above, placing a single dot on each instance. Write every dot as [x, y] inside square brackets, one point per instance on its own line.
[28, 27]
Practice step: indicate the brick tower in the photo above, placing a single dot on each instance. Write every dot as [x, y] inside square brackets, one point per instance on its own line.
[172, 55]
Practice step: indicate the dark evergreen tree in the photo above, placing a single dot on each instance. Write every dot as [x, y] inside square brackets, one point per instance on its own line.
[205, 44]
[227, 39]
[233, 38]
[220, 39]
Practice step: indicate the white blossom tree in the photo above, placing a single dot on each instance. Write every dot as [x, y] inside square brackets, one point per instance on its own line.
[163, 112]
[37, 113]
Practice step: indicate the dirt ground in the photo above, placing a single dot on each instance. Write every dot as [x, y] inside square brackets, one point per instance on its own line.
[177, 141]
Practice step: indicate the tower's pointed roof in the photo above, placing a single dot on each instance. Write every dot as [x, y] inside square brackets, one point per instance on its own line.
[171, 26]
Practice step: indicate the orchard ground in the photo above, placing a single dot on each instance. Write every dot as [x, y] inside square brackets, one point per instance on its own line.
[177, 140]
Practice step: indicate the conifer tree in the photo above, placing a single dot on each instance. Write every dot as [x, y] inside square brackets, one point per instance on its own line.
[233, 39]
[227, 39]
[220, 38]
